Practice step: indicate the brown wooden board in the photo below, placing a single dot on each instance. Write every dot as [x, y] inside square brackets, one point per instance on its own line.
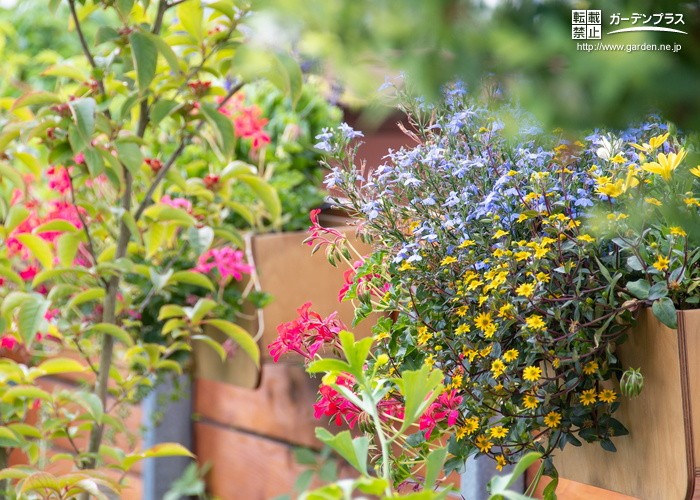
[656, 461]
[281, 408]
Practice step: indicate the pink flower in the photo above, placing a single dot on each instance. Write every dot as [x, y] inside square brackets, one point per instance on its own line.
[319, 235]
[51, 314]
[333, 404]
[226, 260]
[8, 342]
[59, 179]
[445, 407]
[28, 273]
[306, 334]
[248, 124]
[182, 203]
[79, 159]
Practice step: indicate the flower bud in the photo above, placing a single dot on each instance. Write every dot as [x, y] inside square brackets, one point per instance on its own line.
[632, 382]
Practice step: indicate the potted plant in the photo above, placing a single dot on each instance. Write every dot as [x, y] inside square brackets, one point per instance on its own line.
[491, 252]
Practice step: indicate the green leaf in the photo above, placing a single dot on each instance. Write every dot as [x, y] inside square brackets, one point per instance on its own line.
[658, 290]
[153, 239]
[33, 98]
[159, 450]
[162, 109]
[165, 213]
[25, 392]
[67, 248]
[665, 311]
[433, 466]
[238, 335]
[83, 111]
[113, 330]
[167, 53]
[419, 388]
[128, 219]
[200, 310]
[130, 155]
[7, 172]
[266, 193]
[59, 225]
[8, 439]
[191, 278]
[92, 404]
[39, 248]
[9, 274]
[89, 295]
[213, 344]
[223, 126]
[190, 14]
[55, 366]
[639, 288]
[31, 316]
[352, 450]
[328, 365]
[106, 34]
[145, 56]
[170, 311]
[94, 161]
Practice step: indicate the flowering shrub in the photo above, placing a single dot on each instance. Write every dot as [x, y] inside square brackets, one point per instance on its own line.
[499, 270]
[116, 254]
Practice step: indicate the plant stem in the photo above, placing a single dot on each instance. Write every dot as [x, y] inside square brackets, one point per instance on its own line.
[384, 445]
[109, 316]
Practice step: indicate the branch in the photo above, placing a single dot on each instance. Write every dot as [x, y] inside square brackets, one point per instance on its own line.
[91, 246]
[83, 43]
[173, 157]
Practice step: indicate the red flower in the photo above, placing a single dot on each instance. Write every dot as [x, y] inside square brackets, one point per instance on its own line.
[59, 179]
[306, 334]
[333, 404]
[8, 342]
[445, 407]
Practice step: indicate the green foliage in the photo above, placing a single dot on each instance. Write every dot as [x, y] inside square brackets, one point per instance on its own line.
[525, 48]
[120, 167]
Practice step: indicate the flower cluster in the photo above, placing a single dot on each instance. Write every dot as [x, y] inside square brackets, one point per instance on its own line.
[306, 334]
[504, 275]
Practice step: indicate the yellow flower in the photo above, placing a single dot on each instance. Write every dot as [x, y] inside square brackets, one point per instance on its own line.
[498, 432]
[552, 419]
[542, 277]
[653, 201]
[588, 397]
[406, 266]
[470, 353]
[511, 355]
[501, 462]
[677, 231]
[525, 290]
[448, 260]
[691, 201]
[462, 311]
[489, 330]
[424, 335]
[523, 217]
[618, 158]
[466, 243]
[485, 351]
[429, 361]
[507, 311]
[586, 237]
[661, 263]
[530, 402]
[497, 368]
[523, 255]
[590, 368]
[483, 320]
[462, 329]
[607, 396]
[695, 171]
[535, 322]
[665, 164]
[500, 233]
[653, 144]
[471, 425]
[483, 443]
[532, 373]
[612, 190]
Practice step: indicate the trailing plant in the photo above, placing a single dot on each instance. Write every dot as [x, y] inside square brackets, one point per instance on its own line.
[496, 267]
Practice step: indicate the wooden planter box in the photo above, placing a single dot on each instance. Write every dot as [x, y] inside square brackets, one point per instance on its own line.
[660, 459]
